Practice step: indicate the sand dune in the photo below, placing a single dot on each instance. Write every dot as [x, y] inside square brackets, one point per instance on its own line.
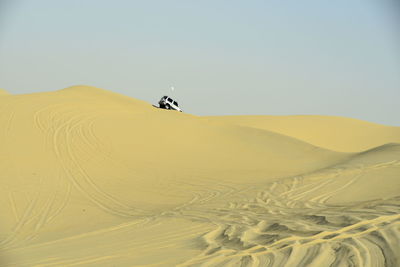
[94, 178]
[3, 92]
[330, 132]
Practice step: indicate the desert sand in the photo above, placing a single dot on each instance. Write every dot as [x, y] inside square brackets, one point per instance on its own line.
[89, 177]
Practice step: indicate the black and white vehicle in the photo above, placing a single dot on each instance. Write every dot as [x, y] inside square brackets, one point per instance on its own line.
[168, 103]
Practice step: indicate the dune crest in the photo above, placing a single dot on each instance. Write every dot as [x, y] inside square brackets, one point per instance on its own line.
[3, 92]
[94, 178]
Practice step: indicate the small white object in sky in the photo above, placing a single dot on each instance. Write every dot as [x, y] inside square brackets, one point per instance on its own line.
[172, 88]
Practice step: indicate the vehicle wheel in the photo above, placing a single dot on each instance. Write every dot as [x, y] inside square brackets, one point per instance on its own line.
[167, 106]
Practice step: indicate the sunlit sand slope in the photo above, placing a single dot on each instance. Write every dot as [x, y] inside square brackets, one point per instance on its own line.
[93, 178]
[334, 133]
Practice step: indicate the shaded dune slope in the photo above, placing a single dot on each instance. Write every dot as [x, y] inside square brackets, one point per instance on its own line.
[347, 214]
[94, 178]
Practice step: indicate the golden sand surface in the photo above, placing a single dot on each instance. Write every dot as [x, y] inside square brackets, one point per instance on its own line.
[330, 132]
[89, 177]
[3, 92]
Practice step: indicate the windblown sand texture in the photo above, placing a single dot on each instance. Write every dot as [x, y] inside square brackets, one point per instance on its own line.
[93, 178]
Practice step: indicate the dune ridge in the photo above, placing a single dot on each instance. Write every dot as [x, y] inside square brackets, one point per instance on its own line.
[94, 178]
[330, 132]
[3, 92]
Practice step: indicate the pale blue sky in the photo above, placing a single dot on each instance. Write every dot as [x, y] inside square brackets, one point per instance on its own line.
[270, 57]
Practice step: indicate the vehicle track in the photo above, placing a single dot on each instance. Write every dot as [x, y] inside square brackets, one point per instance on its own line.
[287, 225]
[70, 128]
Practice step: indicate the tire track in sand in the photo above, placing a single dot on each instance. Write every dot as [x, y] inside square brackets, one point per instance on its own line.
[289, 224]
[68, 129]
